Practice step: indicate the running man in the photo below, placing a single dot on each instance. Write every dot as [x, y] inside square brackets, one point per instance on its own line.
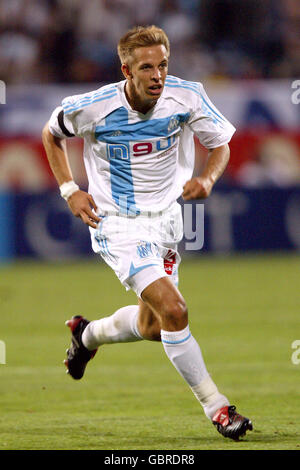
[139, 159]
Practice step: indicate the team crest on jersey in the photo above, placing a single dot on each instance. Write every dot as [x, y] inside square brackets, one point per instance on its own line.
[173, 124]
[144, 249]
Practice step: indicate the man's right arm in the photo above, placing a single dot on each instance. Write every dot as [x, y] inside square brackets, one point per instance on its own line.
[80, 202]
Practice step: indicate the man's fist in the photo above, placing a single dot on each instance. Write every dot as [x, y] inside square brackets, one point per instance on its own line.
[197, 188]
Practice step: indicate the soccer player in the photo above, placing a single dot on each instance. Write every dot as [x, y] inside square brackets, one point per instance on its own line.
[139, 158]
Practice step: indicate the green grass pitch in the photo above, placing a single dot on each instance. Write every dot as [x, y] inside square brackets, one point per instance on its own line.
[244, 312]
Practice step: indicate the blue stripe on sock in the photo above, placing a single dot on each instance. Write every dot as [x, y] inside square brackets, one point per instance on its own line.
[176, 342]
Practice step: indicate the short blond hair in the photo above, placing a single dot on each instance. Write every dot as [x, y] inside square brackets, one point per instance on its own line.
[141, 36]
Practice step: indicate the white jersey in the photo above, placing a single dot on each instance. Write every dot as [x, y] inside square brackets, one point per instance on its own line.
[139, 162]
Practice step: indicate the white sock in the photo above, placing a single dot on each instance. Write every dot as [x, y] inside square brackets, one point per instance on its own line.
[185, 354]
[120, 327]
[209, 396]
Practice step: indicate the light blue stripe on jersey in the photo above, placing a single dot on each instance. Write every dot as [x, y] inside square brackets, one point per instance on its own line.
[178, 81]
[183, 84]
[85, 101]
[86, 98]
[120, 131]
[118, 153]
[171, 83]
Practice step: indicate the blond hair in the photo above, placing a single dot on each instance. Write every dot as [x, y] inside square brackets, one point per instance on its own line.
[141, 36]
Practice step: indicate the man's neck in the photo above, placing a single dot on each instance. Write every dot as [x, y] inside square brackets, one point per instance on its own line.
[134, 101]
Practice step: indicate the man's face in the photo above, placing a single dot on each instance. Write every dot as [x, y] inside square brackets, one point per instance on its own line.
[147, 73]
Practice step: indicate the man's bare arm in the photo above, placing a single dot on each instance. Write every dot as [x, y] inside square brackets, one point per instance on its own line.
[80, 202]
[201, 186]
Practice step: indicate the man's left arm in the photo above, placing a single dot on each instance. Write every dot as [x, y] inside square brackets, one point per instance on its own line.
[201, 186]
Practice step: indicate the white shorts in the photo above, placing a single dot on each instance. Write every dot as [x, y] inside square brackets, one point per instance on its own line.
[140, 249]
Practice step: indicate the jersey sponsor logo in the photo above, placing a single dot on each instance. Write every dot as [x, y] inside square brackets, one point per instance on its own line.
[144, 148]
[118, 151]
[122, 151]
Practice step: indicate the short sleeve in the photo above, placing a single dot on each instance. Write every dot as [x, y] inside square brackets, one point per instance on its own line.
[209, 125]
[57, 125]
[77, 115]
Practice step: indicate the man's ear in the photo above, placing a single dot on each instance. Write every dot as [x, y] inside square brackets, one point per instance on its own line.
[126, 71]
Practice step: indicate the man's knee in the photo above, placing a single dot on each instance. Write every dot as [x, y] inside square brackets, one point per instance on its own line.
[168, 304]
[174, 315]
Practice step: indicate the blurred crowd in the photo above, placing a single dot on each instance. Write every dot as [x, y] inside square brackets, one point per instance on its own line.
[71, 41]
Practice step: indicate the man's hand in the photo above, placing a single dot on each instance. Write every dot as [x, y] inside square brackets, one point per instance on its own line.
[197, 188]
[81, 205]
[200, 187]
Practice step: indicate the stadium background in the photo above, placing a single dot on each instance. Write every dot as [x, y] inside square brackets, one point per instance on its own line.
[247, 57]
[247, 54]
